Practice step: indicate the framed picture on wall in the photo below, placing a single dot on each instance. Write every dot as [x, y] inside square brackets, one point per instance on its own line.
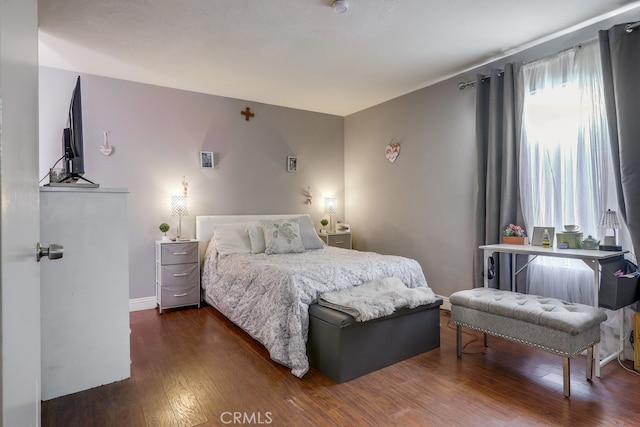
[206, 160]
[292, 164]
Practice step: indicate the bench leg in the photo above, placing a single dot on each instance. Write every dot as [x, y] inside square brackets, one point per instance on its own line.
[590, 363]
[459, 340]
[566, 376]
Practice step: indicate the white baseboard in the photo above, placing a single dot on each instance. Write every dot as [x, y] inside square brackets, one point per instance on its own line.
[142, 304]
[446, 305]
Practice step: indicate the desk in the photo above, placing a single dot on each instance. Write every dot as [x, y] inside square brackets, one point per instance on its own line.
[590, 257]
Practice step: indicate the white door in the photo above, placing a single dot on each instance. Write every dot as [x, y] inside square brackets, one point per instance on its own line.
[19, 215]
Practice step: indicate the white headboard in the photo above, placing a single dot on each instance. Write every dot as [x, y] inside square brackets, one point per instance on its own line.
[205, 224]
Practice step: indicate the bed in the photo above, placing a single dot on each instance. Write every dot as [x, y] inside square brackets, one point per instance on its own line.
[265, 284]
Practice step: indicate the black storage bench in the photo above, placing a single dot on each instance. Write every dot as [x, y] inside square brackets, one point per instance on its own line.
[344, 349]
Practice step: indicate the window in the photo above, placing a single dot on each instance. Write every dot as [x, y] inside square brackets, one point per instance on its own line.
[564, 160]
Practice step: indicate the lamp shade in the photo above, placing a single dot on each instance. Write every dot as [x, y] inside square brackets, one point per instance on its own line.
[330, 205]
[179, 206]
[609, 220]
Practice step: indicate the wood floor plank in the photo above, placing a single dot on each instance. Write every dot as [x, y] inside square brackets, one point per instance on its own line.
[192, 367]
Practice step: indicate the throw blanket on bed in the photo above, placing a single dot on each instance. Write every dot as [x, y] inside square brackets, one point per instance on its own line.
[376, 299]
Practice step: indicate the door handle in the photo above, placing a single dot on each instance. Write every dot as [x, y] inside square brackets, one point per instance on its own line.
[54, 251]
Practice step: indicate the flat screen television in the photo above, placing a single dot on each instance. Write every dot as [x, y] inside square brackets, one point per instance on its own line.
[73, 144]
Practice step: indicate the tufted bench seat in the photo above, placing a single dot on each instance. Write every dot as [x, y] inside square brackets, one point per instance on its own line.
[549, 324]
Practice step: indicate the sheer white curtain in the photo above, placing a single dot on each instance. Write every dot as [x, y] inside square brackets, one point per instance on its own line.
[564, 161]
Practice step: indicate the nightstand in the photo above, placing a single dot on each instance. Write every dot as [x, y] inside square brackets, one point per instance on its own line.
[177, 274]
[337, 239]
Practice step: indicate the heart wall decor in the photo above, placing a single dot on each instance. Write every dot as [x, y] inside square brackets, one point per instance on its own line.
[105, 148]
[392, 151]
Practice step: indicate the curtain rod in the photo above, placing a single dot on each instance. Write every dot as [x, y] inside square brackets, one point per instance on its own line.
[472, 83]
[464, 85]
[630, 27]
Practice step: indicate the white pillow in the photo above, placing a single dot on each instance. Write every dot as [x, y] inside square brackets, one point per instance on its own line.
[282, 236]
[310, 239]
[256, 237]
[231, 238]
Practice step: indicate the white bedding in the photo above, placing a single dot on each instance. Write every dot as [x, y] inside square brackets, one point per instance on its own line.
[268, 295]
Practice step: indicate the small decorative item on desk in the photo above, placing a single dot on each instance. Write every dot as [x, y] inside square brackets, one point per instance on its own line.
[546, 241]
[590, 243]
[515, 235]
[324, 222]
[570, 238]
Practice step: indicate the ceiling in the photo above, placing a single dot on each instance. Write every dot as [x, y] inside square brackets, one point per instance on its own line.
[299, 53]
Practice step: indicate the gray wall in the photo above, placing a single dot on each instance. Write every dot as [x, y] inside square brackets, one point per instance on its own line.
[157, 134]
[422, 205]
[419, 206]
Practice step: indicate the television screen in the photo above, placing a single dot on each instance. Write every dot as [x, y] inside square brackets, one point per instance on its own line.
[72, 136]
[72, 146]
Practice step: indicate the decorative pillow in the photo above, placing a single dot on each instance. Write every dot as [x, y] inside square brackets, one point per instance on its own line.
[282, 236]
[256, 236]
[310, 239]
[231, 238]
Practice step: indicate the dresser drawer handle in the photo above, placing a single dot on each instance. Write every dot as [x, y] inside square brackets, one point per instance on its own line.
[181, 295]
[179, 274]
[179, 253]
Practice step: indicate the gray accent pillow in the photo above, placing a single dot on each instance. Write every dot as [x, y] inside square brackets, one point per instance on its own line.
[282, 236]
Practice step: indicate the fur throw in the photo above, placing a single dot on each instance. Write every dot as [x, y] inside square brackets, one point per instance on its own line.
[375, 299]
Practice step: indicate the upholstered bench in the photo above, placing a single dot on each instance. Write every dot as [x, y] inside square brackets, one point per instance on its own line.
[344, 349]
[549, 324]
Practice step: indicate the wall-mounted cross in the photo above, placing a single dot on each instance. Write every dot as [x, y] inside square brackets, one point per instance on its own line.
[247, 113]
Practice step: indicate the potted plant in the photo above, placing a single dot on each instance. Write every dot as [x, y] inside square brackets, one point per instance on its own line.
[515, 235]
[164, 227]
[324, 223]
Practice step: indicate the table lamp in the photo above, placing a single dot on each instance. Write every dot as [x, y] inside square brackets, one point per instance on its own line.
[179, 209]
[609, 221]
[330, 204]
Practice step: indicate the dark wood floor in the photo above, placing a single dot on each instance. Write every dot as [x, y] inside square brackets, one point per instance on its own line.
[192, 367]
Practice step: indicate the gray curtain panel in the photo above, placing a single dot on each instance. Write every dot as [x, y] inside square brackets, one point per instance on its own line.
[497, 202]
[620, 53]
